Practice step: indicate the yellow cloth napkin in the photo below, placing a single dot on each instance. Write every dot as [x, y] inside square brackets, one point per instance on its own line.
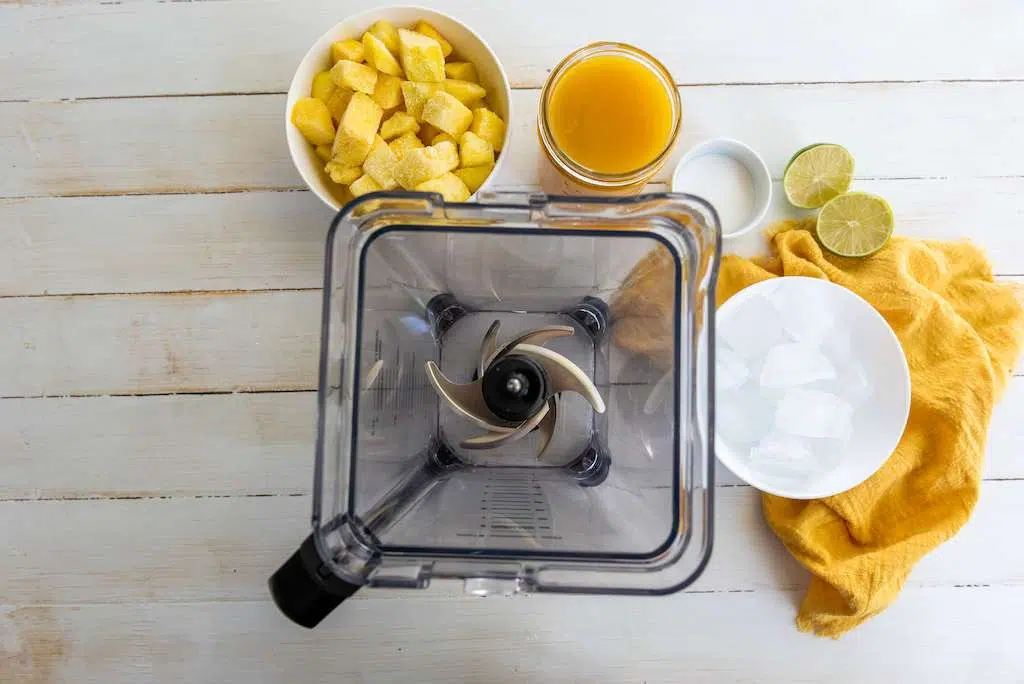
[962, 333]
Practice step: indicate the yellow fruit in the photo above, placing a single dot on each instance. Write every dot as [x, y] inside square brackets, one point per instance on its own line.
[398, 124]
[448, 152]
[349, 74]
[428, 133]
[474, 150]
[356, 130]
[363, 185]
[323, 86]
[449, 185]
[489, 126]
[428, 30]
[324, 152]
[387, 33]
[422, 57]
[465, 92]
[350, 49]
[313, 120]
[338, 101]
[416, 95]
[474, 176]
[422, 164]
[342, 175]
[378, 56]
[461, 71]
[388, 93]
[443, 110]
[441, 137]
[404, 143]
[380, 164]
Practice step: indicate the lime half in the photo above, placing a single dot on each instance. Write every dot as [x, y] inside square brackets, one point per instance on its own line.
[816, 174]
[855, 224]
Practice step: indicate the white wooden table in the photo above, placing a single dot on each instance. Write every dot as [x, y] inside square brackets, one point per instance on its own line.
[159, 273]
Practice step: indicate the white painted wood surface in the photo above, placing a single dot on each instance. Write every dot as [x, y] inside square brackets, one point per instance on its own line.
[159, 292]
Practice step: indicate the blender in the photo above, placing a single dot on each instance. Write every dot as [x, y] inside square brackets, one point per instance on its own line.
[509, 398]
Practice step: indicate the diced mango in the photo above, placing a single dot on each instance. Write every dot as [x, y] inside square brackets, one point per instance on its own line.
[461, 71]
[404, 143]
[363, 185]
[449, 185]
[398, 124]
[313, 120]
[442, 137]
[474, 176]
[355, 76]
[465, 92]
[428, 30]
[474, 150]
[356, 130]
[342, 175]
[388, 93]
[428, 133]
[379, 57]
[422, 164]
[422, 57]
[380, 164]
[323, 86]
[448, 152]
[324, 152]
[443, 110]
[350, 49]
[387, 33]
[416, 95]
[489, 126]
[338, 101]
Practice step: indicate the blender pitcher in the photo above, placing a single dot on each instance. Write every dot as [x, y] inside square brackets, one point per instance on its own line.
[508, 397]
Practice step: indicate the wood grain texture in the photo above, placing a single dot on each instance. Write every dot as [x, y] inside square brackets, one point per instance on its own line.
[213, 144]
[936, 635]
[135, 48]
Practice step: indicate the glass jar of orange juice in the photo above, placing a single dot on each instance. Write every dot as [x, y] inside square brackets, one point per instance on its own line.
[609, 117]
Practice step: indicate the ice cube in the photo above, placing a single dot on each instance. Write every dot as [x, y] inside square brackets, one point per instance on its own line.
[810, 320]
[854, 385]
[730, 369]
[781, 453]
[812, 413]
[789, 365]
[742, 416]
[752, 329]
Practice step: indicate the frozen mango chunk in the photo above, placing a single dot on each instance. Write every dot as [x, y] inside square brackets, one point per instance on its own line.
[363, 185]
[380, 164]
[474, 150]
[449, 185]
[324, 152]
[323, 86]
[354, 76]
[338, 101]
[431, 32]
[416, 95]
[387, 33]
[342, 175]
[449, 152]
[422, 57]
[378, 56]
[443, 110]
[422, 164]
[313, 120]
[474, 176]
[398, 124]
[388, 93]
[441, 137]
[356, 130]
[461, 71]
[350, 49]
[465, 92]
[404, 143]
[489, 126]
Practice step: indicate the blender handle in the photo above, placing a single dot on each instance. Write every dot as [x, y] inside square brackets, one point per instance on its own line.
[305, 589]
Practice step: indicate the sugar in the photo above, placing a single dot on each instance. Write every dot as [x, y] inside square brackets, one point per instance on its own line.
[725, 183]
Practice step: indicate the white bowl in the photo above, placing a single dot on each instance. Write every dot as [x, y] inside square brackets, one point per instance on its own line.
[732, 177]
[861, 335]
[468, 45]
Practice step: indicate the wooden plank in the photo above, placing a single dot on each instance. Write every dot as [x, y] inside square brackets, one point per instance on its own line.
[265, 240]
[223, 548]
[230, 143]
[159, 343]
[943, 636]
[134, 48]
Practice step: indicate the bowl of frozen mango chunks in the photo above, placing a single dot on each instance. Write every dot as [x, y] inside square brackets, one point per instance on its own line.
[398, 98]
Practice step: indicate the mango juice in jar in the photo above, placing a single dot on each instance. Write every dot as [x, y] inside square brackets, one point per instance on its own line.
[609, 117]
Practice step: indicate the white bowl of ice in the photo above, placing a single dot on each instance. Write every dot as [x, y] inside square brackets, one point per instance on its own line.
[812, 388]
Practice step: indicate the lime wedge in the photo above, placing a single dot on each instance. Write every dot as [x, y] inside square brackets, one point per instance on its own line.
[816, 174]
[855, 224]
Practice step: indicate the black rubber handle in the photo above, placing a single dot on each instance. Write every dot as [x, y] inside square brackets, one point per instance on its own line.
[305, 588]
